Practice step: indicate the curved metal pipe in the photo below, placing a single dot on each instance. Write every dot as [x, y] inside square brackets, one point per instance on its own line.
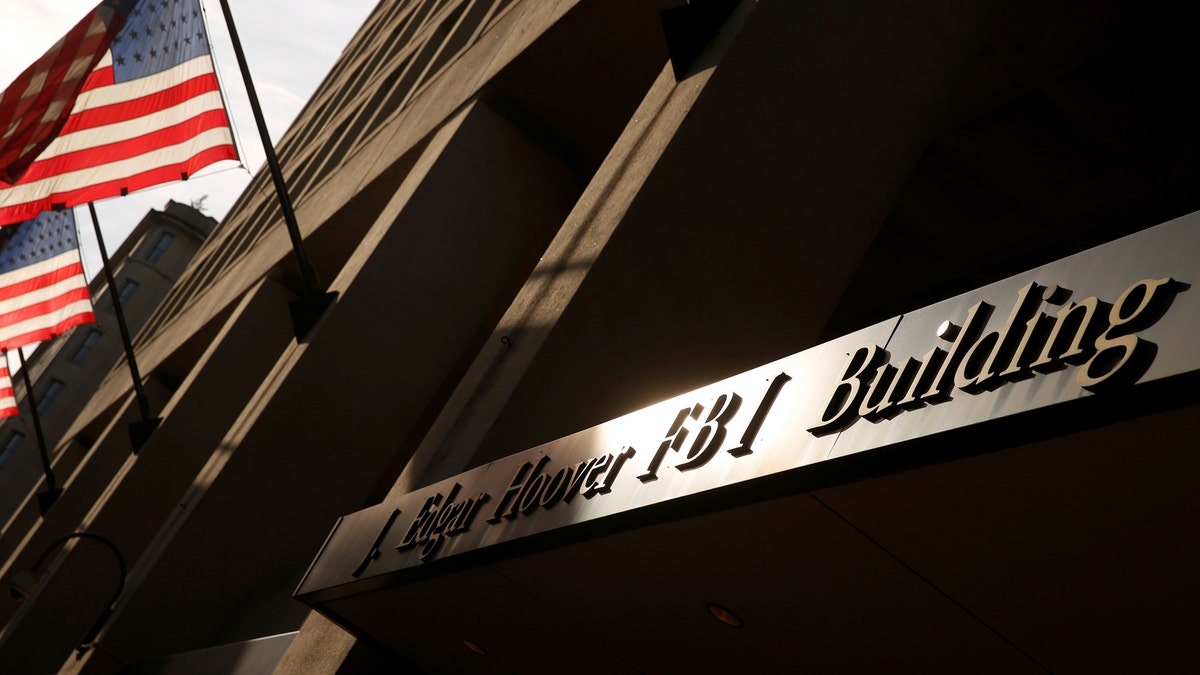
[85, 643]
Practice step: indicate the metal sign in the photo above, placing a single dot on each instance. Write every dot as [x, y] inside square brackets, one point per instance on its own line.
[1113, 317]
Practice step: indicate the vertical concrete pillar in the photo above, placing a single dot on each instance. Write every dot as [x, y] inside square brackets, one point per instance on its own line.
[737, 247]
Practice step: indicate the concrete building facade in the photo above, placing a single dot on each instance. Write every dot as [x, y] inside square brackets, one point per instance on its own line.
[547, 222]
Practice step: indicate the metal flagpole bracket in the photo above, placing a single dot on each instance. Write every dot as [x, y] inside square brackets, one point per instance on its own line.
[47, 499]
[141, 430]
[689, 28]
[306, 311]
[313, 302]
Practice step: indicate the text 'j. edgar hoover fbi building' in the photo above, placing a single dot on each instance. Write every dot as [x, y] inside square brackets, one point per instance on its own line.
[842, 336]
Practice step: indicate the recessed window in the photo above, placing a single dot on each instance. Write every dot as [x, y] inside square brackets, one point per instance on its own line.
[85, 348]
[13, 442]
[52, 391]
[161, 247]
[128, 290]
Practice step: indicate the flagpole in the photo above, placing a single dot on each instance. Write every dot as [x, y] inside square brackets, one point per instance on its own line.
[139, 432]
[45, 499]
[309, 308]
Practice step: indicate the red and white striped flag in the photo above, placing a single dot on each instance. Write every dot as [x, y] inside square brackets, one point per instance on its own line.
[37, 104]
[8, 399]
[42, 288]
[147, 112]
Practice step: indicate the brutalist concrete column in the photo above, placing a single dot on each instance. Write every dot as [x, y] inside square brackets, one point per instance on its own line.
[736, 248]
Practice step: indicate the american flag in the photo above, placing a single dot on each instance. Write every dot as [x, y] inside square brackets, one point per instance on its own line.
[34, 107]
[8, 399]
[148, 111]
[42, 288]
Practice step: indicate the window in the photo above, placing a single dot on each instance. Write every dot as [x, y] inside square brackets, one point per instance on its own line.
[48, 396]
[161, 247]
[128, 290]
[14, 441]
[86, 347]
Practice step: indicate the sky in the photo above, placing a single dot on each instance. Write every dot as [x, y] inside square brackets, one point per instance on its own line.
[290, 45]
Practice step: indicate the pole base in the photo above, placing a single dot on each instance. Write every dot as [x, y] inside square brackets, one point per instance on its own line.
[46, 499]
[140, 432]
[689, 28]
[307, 311]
